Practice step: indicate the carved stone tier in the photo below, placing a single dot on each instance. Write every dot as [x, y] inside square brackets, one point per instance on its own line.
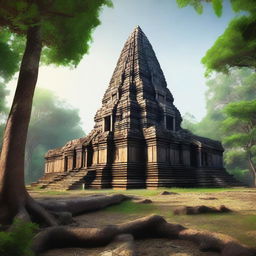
[137, 140]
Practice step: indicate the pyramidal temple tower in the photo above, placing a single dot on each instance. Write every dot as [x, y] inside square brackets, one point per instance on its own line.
[137, 140]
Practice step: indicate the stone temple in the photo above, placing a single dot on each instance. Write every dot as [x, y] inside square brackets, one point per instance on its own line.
[137, 140]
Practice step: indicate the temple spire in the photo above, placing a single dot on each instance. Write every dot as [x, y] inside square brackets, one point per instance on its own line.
[138, 81]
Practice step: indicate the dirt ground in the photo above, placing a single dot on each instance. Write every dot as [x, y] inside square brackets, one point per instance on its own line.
[241, 223]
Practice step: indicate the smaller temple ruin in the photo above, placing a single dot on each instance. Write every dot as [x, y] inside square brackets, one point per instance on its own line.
[137, 140]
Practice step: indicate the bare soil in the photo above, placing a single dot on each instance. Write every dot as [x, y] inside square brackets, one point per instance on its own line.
[241, 223]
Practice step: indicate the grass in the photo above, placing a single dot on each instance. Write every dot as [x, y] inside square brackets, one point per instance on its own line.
[240, 225]
[233, 224]
[138, 192]
[129, 207]
[53, 192]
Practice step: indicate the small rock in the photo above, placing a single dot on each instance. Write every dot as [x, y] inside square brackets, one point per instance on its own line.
[223, 208]
[145, 201]
[202, 209]
[168, 193]
[208, 198]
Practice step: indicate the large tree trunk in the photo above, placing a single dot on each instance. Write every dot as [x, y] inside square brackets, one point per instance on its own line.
[14, 199]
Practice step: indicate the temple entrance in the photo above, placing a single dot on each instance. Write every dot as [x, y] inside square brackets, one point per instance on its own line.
[74, 160]
[65, 164]
[89, 156]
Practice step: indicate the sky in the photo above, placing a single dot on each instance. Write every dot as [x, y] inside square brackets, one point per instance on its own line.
[180, 38]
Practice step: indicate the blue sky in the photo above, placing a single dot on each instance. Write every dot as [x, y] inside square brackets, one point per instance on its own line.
[180, 38]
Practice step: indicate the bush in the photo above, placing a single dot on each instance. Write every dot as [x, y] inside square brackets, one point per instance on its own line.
[17, 242]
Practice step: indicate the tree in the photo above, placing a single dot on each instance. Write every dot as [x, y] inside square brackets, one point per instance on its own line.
[60, 31]
[10, 51]
[189, 122]
[52, 124]
[236, 47]
[240, 126]
[223, 89]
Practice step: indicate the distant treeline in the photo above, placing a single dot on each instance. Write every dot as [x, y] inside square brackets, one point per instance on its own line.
[53, 122]
[231, 118]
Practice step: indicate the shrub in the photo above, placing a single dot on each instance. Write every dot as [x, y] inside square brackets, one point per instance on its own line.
[17, 241]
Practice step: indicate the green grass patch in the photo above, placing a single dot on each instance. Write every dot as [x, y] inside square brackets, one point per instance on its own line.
[129, 207]
[235, 225]
[138, 192]
[155, 192]
[18, 240]
[54, 193]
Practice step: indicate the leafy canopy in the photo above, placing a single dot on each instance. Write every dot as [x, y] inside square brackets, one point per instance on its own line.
[240, 124]
[198, 5]
[240, 127]
[223, 89]
[65, 25]
[236, 47]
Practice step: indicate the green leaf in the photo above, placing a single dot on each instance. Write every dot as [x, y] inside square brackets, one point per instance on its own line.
[237, 140]
[217, 7]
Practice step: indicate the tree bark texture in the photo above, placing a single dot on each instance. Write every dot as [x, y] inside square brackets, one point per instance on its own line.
[14, 199]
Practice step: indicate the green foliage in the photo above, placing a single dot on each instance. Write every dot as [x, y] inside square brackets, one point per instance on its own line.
[189, 122]
[198, 5]
[242, 110]
[240, 124]
[236, 47]
[245, 5]
[17, 242]
[128, 207]
[238, 85]
[11, 48]
[52, 124]
[240, 128]
[223, 89]
[66, 26]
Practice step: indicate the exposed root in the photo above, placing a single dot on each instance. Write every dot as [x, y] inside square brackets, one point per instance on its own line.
[36, 210]
[123, 245]
[201, 209]
[23, 215]
[208, 241]
[24, 208]
[80, 205]
[147, 227]
[45, 211]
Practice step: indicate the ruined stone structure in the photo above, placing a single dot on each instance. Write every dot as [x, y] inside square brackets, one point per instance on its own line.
[137, 140]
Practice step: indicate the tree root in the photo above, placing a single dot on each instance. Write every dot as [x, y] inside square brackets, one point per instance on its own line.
[24, 208]
[39, 212]
[77, 206]
[148, 227]
[123, 245]
[45, 212]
